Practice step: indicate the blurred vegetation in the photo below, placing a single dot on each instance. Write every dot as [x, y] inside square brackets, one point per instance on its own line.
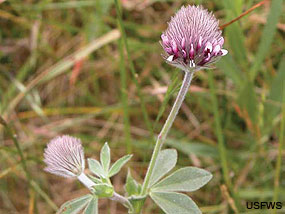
[65, 69]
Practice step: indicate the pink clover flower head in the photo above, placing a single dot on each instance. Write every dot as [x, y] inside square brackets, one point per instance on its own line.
[64, 156]
[193, 39]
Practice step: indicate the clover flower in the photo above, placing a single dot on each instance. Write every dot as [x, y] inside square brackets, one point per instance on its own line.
[64, 156]
[193, 39]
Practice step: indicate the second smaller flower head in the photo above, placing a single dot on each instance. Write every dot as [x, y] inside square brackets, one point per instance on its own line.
[64, 156]
[193, 39]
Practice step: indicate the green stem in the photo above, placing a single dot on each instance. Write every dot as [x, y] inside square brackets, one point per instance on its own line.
[121, 199]
[165, 129]
[280, 149]
[124, 98]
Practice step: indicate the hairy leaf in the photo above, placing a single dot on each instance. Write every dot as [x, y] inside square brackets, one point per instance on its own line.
[105, 157]
[75, 206]
[172, 202]
[186, 179]
[92, 207]
[96, 168]
[166, 160]
[132, 187]
[116, 167]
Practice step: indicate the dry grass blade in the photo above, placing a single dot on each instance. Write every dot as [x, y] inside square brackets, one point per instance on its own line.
[62, 66]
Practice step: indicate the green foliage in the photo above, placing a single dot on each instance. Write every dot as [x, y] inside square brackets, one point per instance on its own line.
[105, 157]
[96, 168]
[248, 101]
[165, 162]
[186, 179]
[41, 44]
[92, 207]
[272, 108]
[75, 206]
[116, 167]
[132, 187]
[267, 36]
[172, 202]
[103, 169]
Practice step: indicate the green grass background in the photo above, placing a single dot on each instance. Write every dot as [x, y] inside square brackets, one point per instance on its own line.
[72, 67]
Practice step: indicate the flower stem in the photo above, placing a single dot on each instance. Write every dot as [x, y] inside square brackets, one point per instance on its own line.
[116, 197]
[85, 180]
[121, 199]
[166, 127]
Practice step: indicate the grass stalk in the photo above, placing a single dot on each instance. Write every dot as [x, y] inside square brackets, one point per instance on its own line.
[62, 66]
[31, 182]
[124, 97]
[132, 68]
[219, 133]
[280, 149]
[18, 147]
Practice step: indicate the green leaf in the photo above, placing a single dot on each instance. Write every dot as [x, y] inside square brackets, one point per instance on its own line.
[267, 36]
[96, 168]
[75, 206]
[132, 187]
[105, 157]
[92, 207]
[116, 167]
[186, 179]
[172, 202]
[166, 160]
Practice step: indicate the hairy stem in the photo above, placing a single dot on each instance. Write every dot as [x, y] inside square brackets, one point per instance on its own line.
[116, 197]
[121, 199]
[166, 127]
[85, 180]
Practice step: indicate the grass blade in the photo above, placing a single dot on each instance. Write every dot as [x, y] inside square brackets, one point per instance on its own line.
[132, 68]
[234, 33]
[275, 97]
[124, 98]
[267, 36]
[280, 149]
[62, 66]
[219, 133]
